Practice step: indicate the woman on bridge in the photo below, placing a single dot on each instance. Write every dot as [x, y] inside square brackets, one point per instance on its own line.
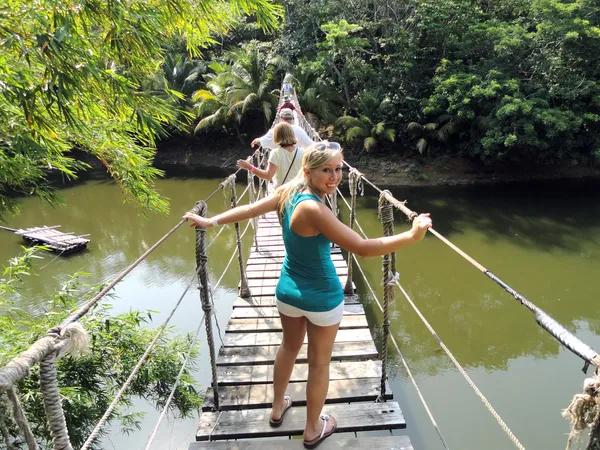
[310, 297]
[284, 162]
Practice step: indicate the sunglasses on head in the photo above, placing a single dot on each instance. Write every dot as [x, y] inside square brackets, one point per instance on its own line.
[326, 145]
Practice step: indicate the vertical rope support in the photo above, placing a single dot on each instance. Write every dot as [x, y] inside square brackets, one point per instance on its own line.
[264, 157]
[202, 271]
[244, 289]
[252, 194]
[20, 419]
[354, 179]
[386, 215]
[4, 415]
[53, 404]
[334, 203]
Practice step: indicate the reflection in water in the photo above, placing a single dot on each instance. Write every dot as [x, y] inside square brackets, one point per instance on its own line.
[543, 241]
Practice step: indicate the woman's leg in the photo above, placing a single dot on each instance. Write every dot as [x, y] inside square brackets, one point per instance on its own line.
[294, 330]
[320, 346]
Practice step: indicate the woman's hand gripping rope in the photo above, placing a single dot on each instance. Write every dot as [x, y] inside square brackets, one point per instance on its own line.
[199, 221]
[420, 225]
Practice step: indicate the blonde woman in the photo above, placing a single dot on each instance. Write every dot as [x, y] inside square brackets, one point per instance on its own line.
[309, 294]
[284, 162]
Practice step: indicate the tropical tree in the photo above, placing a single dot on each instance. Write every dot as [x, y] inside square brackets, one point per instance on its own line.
[341, 54]
[180, 76]
[89, 383]
[70, 77]
[317, 98]
[437, 133]
[242, 82]
[373, 133]
[211, 104]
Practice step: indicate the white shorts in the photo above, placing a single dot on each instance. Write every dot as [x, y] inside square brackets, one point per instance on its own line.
[320, 319]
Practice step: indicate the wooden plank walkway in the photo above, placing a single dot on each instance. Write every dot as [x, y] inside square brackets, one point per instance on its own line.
[245, 370]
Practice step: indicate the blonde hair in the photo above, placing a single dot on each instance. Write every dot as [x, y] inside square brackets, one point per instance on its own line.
[283, 134]
[313, 158]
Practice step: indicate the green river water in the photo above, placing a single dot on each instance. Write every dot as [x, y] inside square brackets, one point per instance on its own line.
[542, 239]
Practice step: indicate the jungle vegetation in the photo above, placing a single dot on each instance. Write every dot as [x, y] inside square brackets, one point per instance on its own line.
[503, 80]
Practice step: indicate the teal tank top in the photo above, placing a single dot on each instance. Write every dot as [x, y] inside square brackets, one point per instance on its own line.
[308, 279]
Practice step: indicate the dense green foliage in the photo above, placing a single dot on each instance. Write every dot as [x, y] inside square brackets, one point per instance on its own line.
[89, 382]
[506, 79]
[76, 75]
[502, 80]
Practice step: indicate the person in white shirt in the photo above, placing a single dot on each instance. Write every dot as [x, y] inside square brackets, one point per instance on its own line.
[284, 162]
[286, 115]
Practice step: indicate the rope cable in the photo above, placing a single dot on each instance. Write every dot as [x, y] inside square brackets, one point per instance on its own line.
[175, 384]
[555, 329]
[135, 370]
[450, 355]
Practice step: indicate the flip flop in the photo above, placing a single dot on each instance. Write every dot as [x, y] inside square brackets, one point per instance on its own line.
[314, 443]
[288, 405]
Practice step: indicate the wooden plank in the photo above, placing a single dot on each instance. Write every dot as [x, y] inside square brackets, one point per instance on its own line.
[263, 325]
[258, 291]
[240, 313]
[263, 258]
[275, 253]
[342, 351]
[270, 282]
[262, 373]
[258, 374]
[261, 395]
[274, 338]
[270, 300]
[255, 422]
[339, 441]
[274, 274]
[264, 264]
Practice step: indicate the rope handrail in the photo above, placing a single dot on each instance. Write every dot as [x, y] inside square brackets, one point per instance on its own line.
[47, 349]
[555, 329]
[499, 419]
[175, 384]
[135, 370]
[186, 359]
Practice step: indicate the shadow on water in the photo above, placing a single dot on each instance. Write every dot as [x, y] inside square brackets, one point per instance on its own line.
[542, 215]
[542, 240]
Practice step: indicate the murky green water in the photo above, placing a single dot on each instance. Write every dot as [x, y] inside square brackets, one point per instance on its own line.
[544, 241]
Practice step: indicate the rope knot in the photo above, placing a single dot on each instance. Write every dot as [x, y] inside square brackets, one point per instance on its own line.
[385, 211]
[74, 340]
[355, 182]
[389, 278]
[584, 410]
[229, 181]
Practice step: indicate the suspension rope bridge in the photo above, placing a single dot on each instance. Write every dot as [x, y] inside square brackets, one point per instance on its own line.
[237, 405]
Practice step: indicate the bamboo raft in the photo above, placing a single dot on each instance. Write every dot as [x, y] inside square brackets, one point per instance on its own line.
[245, 371]
[50, 237]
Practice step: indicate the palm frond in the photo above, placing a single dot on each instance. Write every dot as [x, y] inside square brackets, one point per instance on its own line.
[422, 145]
[203, 95]
[355, 132]
[348, 122]
[248, 102]
[414, 129]
[389, 134]
[369, 143]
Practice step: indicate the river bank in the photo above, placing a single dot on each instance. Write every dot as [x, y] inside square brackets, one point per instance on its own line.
[218, 154]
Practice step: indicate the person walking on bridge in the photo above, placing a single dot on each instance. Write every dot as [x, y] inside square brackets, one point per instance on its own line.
[310, 298]
[285, 115]
[284, 162]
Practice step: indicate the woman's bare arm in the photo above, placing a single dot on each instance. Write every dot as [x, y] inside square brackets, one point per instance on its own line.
[325, 222]
[267, 174]
[236, 214]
